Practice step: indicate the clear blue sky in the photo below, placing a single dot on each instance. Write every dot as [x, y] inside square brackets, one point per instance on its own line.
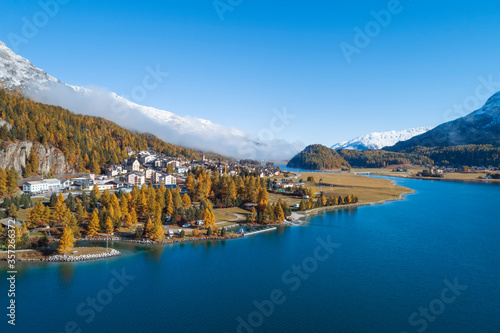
[269, 55]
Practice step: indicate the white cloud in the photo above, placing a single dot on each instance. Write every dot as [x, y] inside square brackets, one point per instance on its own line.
[186, 131]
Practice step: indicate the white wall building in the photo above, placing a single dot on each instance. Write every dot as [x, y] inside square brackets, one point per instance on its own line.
[45, 185]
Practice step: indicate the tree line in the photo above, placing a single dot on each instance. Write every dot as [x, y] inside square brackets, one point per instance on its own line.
[8, 181]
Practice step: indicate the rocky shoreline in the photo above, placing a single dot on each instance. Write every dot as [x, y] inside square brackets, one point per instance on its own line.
[151, 242]
[84, 257]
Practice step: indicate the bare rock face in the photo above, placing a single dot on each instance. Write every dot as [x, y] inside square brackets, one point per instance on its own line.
[5, 123]
[15, 154]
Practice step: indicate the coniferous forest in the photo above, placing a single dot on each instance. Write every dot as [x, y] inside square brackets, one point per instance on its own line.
[88, 143]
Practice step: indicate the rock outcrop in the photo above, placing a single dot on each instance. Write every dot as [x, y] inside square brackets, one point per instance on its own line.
[15, 154]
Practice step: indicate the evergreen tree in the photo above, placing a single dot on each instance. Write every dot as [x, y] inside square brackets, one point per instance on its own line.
[73, 225]
[81, 213]
[13, 211]
[53, 200]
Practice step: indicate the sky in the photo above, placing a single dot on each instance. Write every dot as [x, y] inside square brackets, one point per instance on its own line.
[339, 69]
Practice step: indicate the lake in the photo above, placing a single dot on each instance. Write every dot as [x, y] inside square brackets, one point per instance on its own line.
[429, 263]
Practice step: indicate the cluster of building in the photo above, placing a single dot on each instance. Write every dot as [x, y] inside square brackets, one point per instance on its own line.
[286, 184]
[145, 167]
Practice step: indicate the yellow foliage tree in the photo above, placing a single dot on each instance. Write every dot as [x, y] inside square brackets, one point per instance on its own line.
[209, 218]
[323, 200]
[169, 204]
[157, 234]
[128, 221]
[108, 226]
[38, 215]
[147, 228]
[186, 201]
[24, 229]
[93, 226]
[96, 191]
[124, 205]
[190, 182]
[66, 242]
[59, 213]
[116, 207]
[133, 217]
[278, 212]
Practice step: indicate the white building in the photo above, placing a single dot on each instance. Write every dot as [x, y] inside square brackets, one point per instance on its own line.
[149, 173]
[147, 159]
[133, 165]
[45, 185]
[168, 180]
[182, 169]
[34, 187]
[136, 178]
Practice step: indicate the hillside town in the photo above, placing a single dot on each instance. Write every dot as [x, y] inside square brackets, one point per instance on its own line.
[145, 167]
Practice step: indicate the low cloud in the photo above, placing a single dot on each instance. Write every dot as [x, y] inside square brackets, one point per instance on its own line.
[186, 131]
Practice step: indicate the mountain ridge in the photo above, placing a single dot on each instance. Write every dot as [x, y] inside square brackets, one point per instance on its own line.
[481, 127]
[378, 140]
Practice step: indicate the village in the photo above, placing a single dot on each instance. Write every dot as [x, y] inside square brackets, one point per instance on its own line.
[142, 168]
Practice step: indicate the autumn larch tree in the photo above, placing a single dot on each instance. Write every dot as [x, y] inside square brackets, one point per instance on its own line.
[93, 226]
[66, 242]
[157, 233]
[108, 226]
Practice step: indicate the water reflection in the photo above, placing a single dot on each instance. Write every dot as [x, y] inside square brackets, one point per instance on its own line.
[155, 253]
[66, 272]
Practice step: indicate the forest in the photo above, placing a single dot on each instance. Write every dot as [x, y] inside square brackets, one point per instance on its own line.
[88, 143]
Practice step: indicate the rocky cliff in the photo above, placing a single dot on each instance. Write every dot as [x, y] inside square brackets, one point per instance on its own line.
[15, 154]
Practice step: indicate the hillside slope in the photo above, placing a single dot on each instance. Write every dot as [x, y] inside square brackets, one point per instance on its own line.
[481, 127]
[318, 157]
[86, 142]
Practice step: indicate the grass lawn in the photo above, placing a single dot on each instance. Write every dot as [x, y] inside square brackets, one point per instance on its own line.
[234, 210]
[412, 170]
[221, 216]
[367, 189]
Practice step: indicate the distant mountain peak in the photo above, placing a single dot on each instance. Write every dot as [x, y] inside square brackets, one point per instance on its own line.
[378, 140]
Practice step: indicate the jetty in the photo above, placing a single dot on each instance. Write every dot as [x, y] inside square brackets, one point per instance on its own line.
[258, 231]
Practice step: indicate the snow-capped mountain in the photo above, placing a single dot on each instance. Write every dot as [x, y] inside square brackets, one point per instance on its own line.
[190, 132]
[481, 127]
[378, 140]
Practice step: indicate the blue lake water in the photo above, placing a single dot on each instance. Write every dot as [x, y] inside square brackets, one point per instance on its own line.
[390, 263]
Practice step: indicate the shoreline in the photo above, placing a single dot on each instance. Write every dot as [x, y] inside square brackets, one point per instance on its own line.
[300, 217]
[474, 181]
[69, 258]
[166, 242]
[308, 213]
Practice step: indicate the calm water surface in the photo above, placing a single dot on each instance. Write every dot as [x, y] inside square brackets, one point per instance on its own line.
[390, 263]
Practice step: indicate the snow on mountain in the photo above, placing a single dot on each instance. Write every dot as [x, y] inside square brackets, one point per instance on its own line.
[191, 132]
[481, 127]
[378, 140]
